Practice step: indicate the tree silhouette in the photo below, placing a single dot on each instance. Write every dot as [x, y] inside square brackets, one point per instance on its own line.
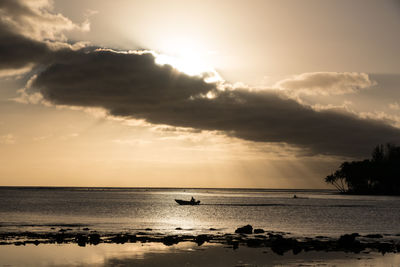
[379, 175]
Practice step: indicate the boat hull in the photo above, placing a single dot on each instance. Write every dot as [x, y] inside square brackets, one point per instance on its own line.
[185, 202]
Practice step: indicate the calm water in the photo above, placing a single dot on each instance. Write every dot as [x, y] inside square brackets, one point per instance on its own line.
[318, 212]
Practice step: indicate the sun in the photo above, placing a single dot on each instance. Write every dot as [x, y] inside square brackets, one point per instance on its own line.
[190, 63]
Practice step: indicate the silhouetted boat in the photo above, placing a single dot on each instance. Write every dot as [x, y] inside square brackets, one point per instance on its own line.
[185, 202]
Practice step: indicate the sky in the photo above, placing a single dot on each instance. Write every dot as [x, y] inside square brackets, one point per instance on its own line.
[254, 94]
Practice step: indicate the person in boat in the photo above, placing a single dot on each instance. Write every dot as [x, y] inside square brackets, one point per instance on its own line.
[294, 196]
[192, 200]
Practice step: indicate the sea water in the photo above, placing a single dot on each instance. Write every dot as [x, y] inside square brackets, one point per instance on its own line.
[313, 212]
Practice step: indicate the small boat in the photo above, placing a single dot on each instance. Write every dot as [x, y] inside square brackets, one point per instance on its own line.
[186, 202]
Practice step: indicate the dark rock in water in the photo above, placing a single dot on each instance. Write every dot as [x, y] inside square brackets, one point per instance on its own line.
[81, 240]
[274, 235]
[94, 239]
[52, 228]
[170, 240]
[212, 229]
[259, 231]
[374, 236]
[200, 239]
[280, 245]
[297, 249]
[142, 233]
[385, 248]
[349, 242]
[132, 238]
[247, 229]
[119, 239]
[85, 229]
[178, 228]
[148, 229]
[59, 238]
[62, 230]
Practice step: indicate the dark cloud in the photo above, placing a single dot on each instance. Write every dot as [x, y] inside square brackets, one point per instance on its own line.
[133, 85]
[16, 51]
[31, 34]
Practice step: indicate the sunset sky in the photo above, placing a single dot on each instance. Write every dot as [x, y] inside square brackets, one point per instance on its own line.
[271, 94]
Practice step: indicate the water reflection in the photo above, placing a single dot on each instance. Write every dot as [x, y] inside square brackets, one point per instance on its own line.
[183, 254]
[73, 255]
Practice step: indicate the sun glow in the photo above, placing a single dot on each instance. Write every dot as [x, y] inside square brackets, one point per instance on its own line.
[191, 64]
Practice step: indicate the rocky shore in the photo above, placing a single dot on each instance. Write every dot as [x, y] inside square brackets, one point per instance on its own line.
[279, 243]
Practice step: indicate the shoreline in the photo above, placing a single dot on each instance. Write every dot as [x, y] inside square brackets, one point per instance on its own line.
[278, 242]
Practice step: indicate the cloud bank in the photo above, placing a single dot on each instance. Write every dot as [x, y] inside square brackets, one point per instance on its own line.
[326, 83]
[132, 85]
[31, 34]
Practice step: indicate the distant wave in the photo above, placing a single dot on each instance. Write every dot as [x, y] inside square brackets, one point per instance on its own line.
[245, 204]
[282, 205]
[44, 225]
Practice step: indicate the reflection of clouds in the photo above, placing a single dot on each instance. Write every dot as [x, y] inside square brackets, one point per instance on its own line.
[148, 251]
[99, 255]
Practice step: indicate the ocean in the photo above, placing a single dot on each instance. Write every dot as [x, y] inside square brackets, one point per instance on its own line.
[312, 213]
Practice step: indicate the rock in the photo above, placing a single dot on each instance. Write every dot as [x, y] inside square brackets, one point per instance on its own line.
[148, 229]
[85, 229]
[280, 245]
[119, 239]
[259, 231]
[247, 229]
[200, 239]
[178, 228]
[386, 247]
[170, 240]
[81, 240]
[297, 249]
[94, 239]
[212, 229]
[235, 244]
[59, 238]
[349, 242]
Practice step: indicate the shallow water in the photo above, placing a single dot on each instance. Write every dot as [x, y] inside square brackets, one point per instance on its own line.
[317, 212]
[183, 254]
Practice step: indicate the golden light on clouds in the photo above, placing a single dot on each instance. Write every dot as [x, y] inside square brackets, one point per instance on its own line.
[191, 63]
[150, 125]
